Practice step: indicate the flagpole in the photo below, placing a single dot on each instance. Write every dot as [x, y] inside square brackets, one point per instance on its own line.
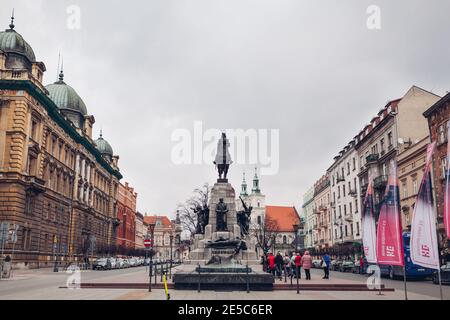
[404, 280]
[440, 283]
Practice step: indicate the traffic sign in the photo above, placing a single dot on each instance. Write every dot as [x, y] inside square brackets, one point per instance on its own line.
[147, 242]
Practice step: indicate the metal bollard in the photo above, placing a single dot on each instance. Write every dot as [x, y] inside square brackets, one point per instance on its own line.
[150, 277]
[285, 274]
[247, 279]
[156, 272]
[298, 286]
[162, 270]
[198, 288]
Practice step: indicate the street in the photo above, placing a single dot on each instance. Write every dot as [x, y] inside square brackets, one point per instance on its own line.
[44, 284]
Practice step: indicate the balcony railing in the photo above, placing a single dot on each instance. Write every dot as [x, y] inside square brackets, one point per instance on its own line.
[380, 182]
[348, 218]
[322, 208]
[372, 157]
[21, 75]
[316, 211]
[352, 192]
[364, 188]
[340, 178]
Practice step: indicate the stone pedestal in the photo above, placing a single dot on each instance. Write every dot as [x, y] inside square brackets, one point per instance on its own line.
[200, 254]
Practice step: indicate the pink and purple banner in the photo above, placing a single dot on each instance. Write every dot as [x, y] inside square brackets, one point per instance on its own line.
[369, 229]
[424, 244]
[447, 188]
[389, 230]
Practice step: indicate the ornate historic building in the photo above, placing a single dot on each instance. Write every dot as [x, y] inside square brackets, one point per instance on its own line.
[398, 125]
[166, 236]
[411, 163]
[126, 214]
[56, 183]
[322, 213]
[345, 196]
[438, 116]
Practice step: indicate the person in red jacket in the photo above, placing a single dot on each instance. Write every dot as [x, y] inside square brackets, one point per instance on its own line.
[271, 263]
[298, 265]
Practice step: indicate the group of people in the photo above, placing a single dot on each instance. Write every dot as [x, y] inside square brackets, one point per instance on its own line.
[292, 265]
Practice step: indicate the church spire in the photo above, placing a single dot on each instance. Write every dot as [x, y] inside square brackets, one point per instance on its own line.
[255, 188]
[11, 26]
[244, 186]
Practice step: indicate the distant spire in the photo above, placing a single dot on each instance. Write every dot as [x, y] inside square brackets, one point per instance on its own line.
[101, 133]
[244, 186]
[255, 188]
[11, 26]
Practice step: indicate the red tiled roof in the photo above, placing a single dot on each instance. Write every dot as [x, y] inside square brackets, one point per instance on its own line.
[285, 217]
[152, 220]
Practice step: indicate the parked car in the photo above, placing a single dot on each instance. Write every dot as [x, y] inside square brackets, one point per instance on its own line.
[132, 262]
[335, 264]
[113, 263]
[316, 263]
[120, 263]
[346, 265]
[445, 275]
[126, 263]
[146, 261]
[102, 264]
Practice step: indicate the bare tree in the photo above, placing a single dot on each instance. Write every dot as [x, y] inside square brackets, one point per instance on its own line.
[188, 217]
[265, 233]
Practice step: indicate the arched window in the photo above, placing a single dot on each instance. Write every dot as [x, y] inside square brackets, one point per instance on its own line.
[284, 240]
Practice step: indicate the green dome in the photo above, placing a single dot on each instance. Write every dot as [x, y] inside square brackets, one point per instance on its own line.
[103, 146]
[12, 42]
[65, 97]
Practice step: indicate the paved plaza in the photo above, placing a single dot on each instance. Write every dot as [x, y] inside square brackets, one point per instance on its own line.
[47, 285]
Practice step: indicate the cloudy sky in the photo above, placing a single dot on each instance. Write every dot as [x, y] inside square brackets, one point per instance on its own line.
[311, 69]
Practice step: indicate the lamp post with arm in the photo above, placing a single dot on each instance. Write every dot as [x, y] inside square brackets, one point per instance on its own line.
[171, 256]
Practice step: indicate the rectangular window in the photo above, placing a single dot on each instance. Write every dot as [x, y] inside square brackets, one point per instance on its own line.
[390, 140]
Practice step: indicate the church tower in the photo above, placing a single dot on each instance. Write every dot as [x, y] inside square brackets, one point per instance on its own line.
[255, 189]
[244, 186]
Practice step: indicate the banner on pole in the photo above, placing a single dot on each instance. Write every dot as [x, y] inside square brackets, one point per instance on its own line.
[389, 230]
[424, 243]
[368, 221]
[447, 187]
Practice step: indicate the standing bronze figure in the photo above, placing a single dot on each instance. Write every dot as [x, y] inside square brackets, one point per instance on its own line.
[223, 158]
[243, 218]
[221, 211]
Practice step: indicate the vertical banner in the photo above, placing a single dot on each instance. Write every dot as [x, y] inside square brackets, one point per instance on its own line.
[389, 230]
[368, 221]
[447, 187]
[424, 244]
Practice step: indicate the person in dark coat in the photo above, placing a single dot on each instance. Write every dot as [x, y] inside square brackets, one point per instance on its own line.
[279, 264]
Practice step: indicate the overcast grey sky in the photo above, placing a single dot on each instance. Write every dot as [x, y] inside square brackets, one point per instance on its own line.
[311, 69]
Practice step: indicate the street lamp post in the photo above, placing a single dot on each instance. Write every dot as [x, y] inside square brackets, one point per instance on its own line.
[296, 227]
[171, 257]
[297, 269]
[152, 229]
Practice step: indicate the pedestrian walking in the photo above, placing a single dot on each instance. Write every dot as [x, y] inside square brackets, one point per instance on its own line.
[306, 262]
[271, 260]
[279, 264]
[361, 265]
[326, 260]
[287, 265]
[298, 265]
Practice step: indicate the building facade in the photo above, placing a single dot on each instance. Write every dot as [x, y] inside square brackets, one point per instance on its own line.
[397, 126]
[308, 218]
[322, 213]
[57, 184]
[126, 214]
[438, 120]
[284, 235]
[411, 163]
[141, 231]
[166, 236]
[345, 197]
